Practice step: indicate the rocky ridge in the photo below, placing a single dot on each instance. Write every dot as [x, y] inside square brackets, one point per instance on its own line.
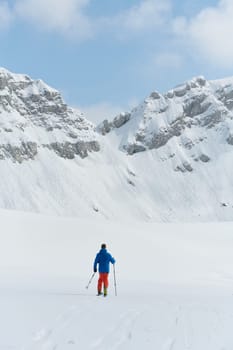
[184, 114]
[169, 159]
[33, 117]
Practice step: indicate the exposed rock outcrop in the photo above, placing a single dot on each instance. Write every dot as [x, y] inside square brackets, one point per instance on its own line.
[34, 115]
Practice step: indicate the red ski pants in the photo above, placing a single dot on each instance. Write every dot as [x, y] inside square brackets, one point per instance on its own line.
[103, 280]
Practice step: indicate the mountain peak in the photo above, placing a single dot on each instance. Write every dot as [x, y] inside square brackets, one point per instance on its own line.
[173, 152]
[4, 71]
[161, 119]
[35, 117]
[37, 86]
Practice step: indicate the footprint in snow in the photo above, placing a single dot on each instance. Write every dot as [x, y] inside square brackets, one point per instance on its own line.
[168, 345]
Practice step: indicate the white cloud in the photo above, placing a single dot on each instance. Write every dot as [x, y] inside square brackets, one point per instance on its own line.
[148, 14]
[210, 33]
[6, 15]
[68, 16]
[63, 16]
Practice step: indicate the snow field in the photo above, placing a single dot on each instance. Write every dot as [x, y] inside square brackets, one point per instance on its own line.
[139, 322]
[175, 285]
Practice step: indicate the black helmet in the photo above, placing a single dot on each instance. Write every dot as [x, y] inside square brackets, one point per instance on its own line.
[103, 246]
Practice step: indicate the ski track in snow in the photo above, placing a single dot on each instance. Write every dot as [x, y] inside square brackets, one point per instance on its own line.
[174, 282]
[125, 324]
[61, 334]
[119, 334]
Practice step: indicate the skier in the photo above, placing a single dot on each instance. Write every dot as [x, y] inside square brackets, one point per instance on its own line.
[103, 258]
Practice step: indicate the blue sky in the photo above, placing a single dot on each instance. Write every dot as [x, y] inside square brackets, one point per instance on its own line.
[106, 56]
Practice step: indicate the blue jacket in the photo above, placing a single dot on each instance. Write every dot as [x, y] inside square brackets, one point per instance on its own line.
[103, 258]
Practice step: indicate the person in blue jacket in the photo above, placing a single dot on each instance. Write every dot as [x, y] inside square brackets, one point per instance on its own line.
[103, 258]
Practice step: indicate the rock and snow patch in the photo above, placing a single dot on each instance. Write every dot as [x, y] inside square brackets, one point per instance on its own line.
[33, 117]
[176, 114]
[179, 145]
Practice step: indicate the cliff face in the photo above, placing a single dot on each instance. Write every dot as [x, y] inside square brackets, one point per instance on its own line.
[169, 159]
[33, 117]
[190, 115]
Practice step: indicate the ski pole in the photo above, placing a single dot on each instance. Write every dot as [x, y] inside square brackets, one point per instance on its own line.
[114, 272]
[90, 280]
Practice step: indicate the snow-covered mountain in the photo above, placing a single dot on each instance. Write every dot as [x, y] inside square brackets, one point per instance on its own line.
[34, 116]
[169, 159]
[182, 142]
[189, 114]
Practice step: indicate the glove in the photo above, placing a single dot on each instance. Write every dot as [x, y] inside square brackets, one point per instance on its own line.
[95, 270]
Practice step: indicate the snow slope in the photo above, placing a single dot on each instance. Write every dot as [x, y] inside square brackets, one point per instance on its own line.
[174, 284]
[168, 160]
